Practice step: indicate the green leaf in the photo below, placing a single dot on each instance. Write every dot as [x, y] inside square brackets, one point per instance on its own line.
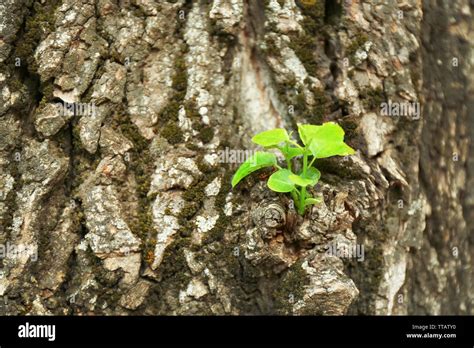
[325, 141]
[257, 161]
[310, 178]
[307, 132]
[290, 151]
[328, 149]
[312, 174]
[271, 137]
[312, 200]
[299, 180]
[280, 182]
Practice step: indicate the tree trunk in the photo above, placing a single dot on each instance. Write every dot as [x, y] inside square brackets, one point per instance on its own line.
[122, 122]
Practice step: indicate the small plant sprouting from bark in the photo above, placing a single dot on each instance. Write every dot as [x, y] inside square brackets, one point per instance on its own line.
[318, 142]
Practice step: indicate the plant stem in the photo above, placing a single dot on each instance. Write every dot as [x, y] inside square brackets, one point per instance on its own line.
[303, 189]
[295, 199]
[305, 163]
[302, 199]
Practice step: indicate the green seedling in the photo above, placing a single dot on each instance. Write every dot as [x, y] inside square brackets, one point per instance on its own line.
[318, 142]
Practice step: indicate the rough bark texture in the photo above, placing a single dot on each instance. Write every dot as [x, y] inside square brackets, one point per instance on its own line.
[126, 208]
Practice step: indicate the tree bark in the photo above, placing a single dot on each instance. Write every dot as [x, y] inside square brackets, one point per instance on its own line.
[122, 122]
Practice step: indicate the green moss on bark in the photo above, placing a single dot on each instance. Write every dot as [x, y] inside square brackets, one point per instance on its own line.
[206, 134]
[305, 43]
[359, 40]
[290, 288]
[38, 24]
[172, 132]
[372, 98]
[142, 165]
